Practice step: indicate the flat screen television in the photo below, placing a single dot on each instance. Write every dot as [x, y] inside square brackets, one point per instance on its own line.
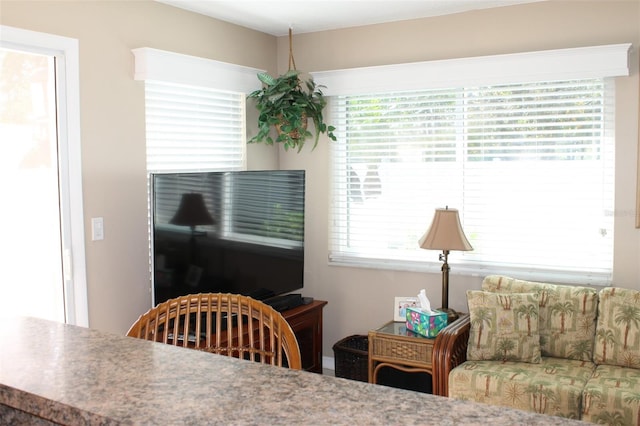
[234, 232]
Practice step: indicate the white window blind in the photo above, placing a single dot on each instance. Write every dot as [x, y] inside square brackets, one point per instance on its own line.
[530, 166]
[195, 110]
[193, 128]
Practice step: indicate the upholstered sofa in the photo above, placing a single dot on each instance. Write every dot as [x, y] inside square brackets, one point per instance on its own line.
[561, 350]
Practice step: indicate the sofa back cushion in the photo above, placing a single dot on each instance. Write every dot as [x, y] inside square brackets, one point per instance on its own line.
[504, 327]
[618, 330]
[567, 317]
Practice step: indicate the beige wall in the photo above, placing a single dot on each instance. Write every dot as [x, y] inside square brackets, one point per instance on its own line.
[113, 131]
[359, 299]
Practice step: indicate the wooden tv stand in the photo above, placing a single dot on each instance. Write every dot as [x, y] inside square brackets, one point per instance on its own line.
[306, 322]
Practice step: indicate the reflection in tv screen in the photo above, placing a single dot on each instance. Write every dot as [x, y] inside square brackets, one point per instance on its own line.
[233, 232]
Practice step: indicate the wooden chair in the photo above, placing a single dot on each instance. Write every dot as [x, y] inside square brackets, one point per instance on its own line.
[225, 324]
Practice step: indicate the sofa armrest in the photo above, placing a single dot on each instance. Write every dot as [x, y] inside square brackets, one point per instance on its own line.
[449, 351]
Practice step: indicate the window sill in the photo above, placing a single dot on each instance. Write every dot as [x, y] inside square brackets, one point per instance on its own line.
[555, 276]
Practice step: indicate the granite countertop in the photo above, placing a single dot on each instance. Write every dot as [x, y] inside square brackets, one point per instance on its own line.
[74, 375]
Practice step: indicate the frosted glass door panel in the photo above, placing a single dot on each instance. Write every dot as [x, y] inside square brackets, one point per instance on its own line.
[31, 258]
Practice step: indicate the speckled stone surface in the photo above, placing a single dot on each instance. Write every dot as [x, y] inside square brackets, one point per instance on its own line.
[73, 375]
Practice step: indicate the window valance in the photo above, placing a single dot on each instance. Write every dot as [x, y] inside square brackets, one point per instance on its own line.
[171, 67]
[561, 64]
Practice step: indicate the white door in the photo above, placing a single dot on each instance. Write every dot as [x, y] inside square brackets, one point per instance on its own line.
[40, 275]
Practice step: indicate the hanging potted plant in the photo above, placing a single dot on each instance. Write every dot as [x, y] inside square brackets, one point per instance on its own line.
[286, 103]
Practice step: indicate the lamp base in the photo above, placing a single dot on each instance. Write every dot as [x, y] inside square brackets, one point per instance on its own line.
[451, 314]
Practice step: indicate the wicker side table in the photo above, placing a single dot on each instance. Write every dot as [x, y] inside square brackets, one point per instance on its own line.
[392, 345]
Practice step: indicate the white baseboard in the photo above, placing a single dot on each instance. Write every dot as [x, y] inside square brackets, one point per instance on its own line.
[328, 362]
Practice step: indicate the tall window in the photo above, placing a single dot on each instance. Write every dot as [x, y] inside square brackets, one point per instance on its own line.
[195, 118]
[530, 167]
[521, 144]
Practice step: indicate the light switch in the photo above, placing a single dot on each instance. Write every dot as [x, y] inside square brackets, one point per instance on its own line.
[97, 229]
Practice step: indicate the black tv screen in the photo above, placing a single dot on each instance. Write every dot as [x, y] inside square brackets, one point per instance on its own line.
[231, 232]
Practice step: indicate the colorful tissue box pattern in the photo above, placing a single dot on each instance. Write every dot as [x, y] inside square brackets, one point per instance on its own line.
[426, 324]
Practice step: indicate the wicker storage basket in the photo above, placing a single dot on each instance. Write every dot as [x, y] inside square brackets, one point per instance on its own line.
[351, 356]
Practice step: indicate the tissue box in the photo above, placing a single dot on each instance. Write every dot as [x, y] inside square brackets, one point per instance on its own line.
[426, 323]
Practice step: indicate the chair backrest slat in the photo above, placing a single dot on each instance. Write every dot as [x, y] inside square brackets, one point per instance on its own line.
[221, 323]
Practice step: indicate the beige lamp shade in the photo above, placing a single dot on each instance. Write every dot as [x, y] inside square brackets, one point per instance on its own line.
[445, 232]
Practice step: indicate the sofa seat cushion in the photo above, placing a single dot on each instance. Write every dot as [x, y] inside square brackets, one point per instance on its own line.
[618, 331]
[554, 386]
[567, 315]
[612, 396]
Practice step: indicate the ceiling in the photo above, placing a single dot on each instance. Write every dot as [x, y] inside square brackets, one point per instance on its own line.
[275, 17]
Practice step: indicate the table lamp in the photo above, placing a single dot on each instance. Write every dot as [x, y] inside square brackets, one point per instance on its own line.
[445, 234]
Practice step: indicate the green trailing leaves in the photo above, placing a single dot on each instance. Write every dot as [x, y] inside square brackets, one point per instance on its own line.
[284, 104]
[266, 78]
